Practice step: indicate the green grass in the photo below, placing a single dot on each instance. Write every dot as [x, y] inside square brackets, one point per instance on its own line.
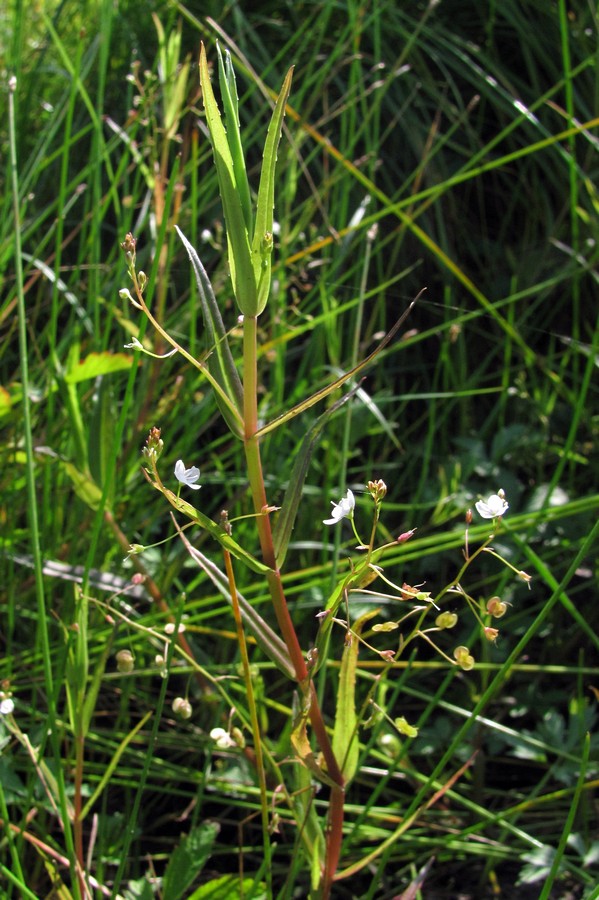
[452, 148]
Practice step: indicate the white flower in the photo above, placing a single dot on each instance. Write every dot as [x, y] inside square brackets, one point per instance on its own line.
[134, 345]
[345, 508]
[187, 476]
[6, 707]
[492, 508]
[222, 738]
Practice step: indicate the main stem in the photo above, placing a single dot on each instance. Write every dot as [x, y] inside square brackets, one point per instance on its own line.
[275, 585]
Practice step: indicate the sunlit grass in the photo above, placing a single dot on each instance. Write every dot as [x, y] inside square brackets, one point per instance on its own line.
[445, 149]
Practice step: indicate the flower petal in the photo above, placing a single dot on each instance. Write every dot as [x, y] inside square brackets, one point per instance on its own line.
[187, 476]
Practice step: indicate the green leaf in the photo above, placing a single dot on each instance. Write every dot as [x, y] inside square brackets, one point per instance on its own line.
[286, 517]
[228, 90]
[101, 434]
[339, 382]
[240, 262]
[98, 364]
[346, 745]
[188, 859]
[268, 641]
[262, 242]
[220, 363]
[229, 887]
[84, 485]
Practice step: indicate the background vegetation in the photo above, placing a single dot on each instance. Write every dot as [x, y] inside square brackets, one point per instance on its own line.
[449, 146]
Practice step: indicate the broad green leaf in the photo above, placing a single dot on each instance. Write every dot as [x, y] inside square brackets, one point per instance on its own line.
[188, 859]
[240, 262]
[229, 887]
[84, 485]
[98, 364]
[293, 495]
[262, 242]
[310, 826]
[346, 745]
[228, 90]
[220, 363]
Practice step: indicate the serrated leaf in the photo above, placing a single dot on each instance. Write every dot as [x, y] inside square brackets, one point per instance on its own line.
[262, 241]
[188, 859]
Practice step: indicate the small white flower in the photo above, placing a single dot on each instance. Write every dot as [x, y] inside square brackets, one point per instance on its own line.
[222, 738]
[343, 509]
[6, 707]
[492, 508]
[187, 476]
[134, 345]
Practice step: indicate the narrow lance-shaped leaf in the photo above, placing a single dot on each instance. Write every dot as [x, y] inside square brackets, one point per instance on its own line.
[220, 363]
[224, 539]
[346, 745]
[238, 241]
[266, 638]
[262, 242]
[325, 391]
[228, 90]
[293, 495]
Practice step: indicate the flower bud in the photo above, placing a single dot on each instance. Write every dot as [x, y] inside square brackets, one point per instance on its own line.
[154, 444]
[491, 634]
[405, 536]
[128, 246]
[125, 661]
[377, 489]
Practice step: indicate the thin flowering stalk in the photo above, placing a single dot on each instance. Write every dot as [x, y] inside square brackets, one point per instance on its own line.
[252, 711]
[140, 303]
